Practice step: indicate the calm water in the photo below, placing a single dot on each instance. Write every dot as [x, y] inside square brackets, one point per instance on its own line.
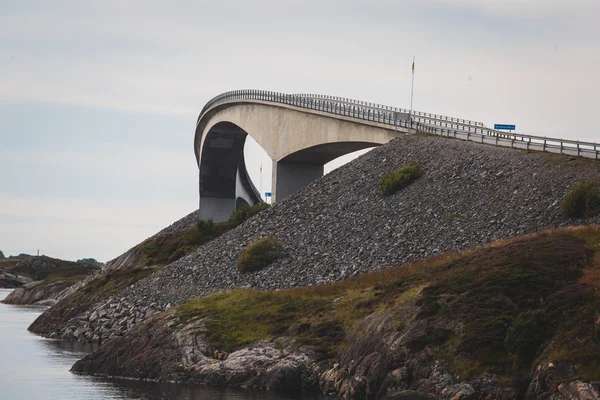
[35, 368]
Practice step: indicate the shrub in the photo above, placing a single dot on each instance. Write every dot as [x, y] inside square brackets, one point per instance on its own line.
[526, 334]
[259, 254]
[246, 212]
[396, 180]
[205, 226]
[582, 201]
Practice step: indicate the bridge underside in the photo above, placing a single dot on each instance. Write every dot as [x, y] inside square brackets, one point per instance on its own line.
[224, 181]
[299, 144]
[303, 167]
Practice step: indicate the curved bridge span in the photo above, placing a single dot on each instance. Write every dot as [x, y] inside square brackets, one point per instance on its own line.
[302, 132]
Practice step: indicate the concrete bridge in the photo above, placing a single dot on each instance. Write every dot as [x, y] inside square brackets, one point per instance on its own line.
[302, 132]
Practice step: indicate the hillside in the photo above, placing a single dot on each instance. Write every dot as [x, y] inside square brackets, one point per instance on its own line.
[10, 281]
[44, 279]
[340, 226]
[515, 319]
[175, 241]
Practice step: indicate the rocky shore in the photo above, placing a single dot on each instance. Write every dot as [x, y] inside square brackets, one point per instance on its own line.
[341, 226]
[515, 320]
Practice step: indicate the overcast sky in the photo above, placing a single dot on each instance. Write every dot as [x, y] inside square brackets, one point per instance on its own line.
[98, 99]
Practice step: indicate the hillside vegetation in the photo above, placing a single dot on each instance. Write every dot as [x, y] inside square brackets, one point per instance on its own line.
[46, 278]
[141, 261]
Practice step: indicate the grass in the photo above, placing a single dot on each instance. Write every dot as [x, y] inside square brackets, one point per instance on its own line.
[512, 298]
[583, 201]
[244, 213]
[115, 281]
[165, 249]
[259, 254]
[393, 181]
[8, 263]
[57, 270]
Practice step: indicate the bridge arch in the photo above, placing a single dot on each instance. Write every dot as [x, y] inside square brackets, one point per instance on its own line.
[298, 141]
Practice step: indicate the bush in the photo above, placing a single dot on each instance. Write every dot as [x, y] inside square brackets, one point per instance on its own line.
[259, 254]
[205, 226]
[526, 334]
[246, 212]
[396, 180]
[582, 201]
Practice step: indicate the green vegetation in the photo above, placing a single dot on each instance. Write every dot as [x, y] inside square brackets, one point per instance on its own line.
[54, 270]
[8, 263]
[91, 261]
[396, 180]
[241, 317]
[165, 249]
[527, 332]
[114, 281]
[246, 212]
[511, 300]
[582, 201]
[450, 218]
[156, 252]
[259, 254]
[1, 255]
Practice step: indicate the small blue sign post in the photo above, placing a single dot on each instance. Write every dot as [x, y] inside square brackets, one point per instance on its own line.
[504, 127]
[268, 194]
[268, 197]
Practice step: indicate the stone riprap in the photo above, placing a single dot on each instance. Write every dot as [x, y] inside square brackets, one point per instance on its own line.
[340, 225]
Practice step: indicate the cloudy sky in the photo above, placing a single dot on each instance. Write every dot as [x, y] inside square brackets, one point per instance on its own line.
[98, 99]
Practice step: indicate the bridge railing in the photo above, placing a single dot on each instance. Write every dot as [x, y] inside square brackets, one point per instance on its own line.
[329, 105]
[429, 118]
[418, 121]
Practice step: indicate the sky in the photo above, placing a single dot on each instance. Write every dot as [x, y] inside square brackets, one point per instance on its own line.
[99, 99]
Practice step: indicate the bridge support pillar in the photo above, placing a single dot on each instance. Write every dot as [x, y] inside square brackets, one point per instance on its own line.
[215, 208]
[219, 206]
[288, 177]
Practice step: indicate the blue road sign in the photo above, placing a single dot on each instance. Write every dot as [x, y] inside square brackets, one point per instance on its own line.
[268, 194]
[504, 127]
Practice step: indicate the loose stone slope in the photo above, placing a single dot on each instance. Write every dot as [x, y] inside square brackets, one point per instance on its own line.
[341, 225]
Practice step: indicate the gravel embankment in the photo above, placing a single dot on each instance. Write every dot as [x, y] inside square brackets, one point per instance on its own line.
[340, 225]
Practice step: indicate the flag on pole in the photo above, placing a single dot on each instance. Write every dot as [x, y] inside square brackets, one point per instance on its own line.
[413, 66]
[261, 167]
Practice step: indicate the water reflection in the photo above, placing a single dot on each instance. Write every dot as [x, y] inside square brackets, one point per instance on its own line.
[32, 367]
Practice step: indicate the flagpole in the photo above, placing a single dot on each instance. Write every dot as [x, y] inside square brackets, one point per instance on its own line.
[260, 190]
[411, 92]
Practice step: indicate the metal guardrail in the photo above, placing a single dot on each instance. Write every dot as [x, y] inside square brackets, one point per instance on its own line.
[358, 110]
[419, 121]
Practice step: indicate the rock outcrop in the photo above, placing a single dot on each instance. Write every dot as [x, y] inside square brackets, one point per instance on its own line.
[43, 279]
[446, 328]
[341, 226]
[37, 293]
